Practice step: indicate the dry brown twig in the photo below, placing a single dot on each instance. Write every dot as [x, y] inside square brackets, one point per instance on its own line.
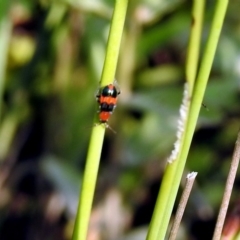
[182, 205]
[228, 190]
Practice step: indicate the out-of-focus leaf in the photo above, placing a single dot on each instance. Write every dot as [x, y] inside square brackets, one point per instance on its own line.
[214, 191]
[95, 41]
[227, 54]
[227, 137]
[138, 234]
[66, 180]
[160, 110]
[98, 7]
[11, 122]
[153, 77]
[55, 14]
[201, 158]
[21, 50]
[160, 34]
[220, 94]
[155, 9]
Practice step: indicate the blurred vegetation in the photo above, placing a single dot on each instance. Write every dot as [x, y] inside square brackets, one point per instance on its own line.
[52, 54]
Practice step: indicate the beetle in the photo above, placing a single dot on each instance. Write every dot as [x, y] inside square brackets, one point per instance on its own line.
[107, 100]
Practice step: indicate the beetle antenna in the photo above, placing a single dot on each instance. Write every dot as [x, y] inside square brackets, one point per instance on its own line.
[107, 126]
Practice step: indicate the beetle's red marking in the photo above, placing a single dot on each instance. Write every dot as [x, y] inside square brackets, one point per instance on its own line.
[107, 99]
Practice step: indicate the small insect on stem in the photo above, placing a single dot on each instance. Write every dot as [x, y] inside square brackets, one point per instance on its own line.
[107, 100]
[205, 106]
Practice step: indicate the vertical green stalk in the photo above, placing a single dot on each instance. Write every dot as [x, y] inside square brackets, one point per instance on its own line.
[194, 43]
[165, 196]
[197, 97]
[5, 33]
[96, 141]
[174, 171]
[114, 41]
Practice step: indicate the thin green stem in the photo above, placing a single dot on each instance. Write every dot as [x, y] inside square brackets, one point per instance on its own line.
[173, 174]
[194, 42]
[198, 93]
[114, 41]
[161, 203]
[88, 184]
[96, 141]
[165, 196]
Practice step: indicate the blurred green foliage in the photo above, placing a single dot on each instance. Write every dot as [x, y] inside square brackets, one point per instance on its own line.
[54, 62]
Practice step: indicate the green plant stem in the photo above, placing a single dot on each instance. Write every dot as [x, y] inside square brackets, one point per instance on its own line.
[96, 141]
[194, 42]
[88, 184]
[169, 175]
[5, 33]
[172, 176]
[198, 93]
[114, 41]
